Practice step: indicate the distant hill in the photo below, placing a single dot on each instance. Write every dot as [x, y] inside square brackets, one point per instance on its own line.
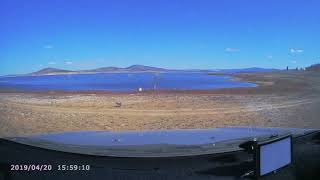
[104, 69]
[51, 71]
[314, 67]
[133, 68]
[144, 68]
[246, 70]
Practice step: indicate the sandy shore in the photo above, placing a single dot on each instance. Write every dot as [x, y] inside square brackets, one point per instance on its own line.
[283, 99]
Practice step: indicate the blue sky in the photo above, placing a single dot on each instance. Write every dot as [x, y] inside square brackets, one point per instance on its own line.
[206, 34]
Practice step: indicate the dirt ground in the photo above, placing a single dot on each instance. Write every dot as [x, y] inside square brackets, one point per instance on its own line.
[283, 99]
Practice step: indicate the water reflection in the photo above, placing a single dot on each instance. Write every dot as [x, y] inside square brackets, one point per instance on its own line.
[177, 137]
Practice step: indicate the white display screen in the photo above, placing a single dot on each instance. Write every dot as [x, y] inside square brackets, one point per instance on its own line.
[275, 155]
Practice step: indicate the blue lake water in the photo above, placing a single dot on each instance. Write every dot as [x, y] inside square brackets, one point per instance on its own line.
[122, 82]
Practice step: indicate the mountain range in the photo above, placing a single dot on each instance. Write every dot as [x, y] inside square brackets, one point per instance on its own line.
[133, 68]
[138, 68]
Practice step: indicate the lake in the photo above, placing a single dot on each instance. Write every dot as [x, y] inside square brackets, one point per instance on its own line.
[122, 82]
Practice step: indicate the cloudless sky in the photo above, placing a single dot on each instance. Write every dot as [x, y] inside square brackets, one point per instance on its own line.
[205, 34]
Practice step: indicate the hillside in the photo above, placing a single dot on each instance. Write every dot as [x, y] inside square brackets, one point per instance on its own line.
[51, 71]
[314, 67]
